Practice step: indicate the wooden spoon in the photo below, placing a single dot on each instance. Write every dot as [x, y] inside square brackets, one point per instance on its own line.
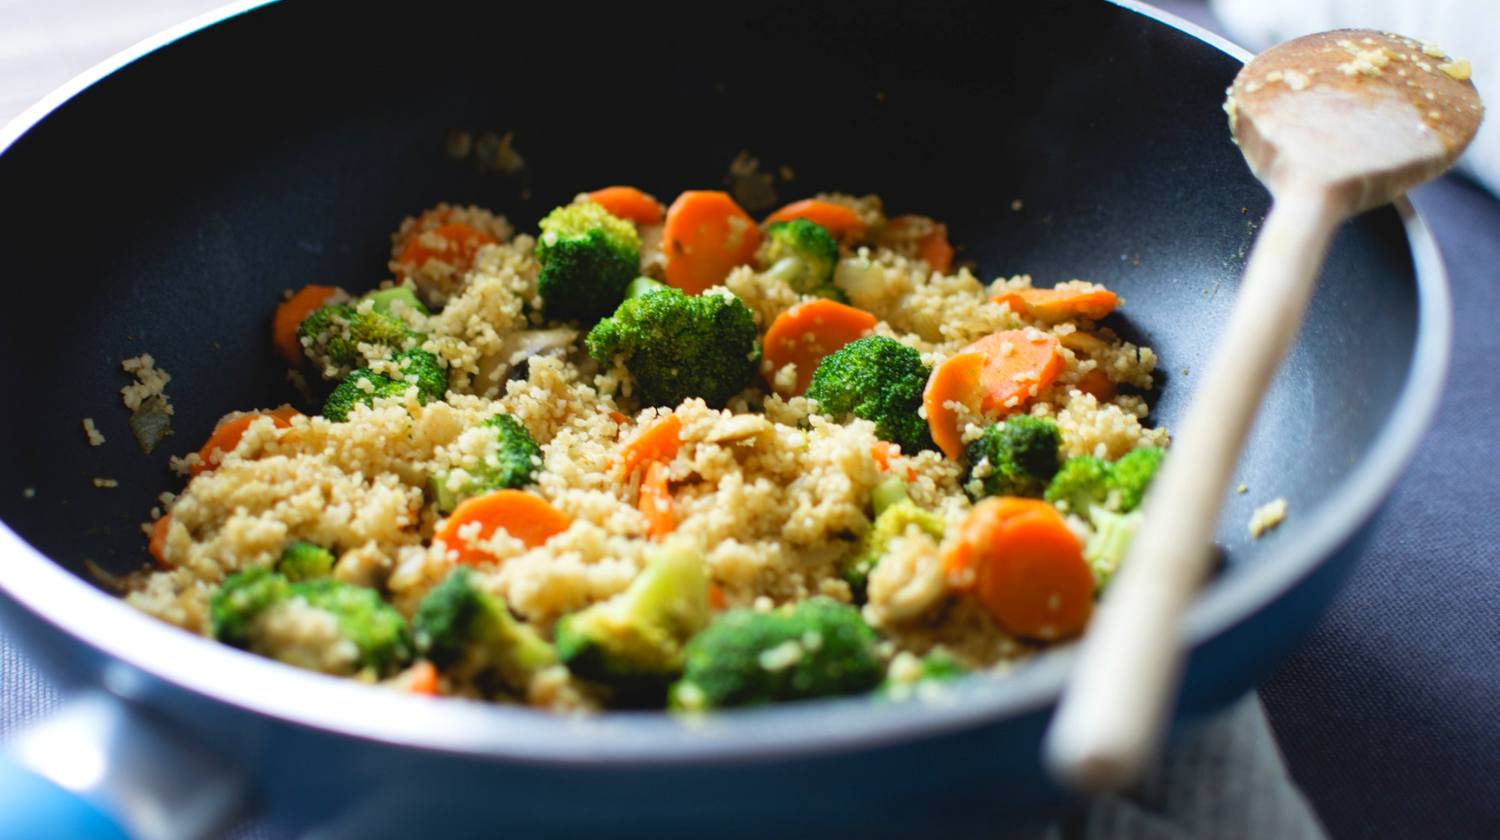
[1333, 124]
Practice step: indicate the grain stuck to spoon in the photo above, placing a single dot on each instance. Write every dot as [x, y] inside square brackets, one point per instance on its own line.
[1333, 124]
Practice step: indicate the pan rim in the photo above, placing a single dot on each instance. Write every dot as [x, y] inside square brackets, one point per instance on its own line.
[485, 731]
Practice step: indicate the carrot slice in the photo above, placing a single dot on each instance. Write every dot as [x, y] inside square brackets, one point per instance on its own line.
[706, 235]
[1017, 364]
[423, 678]
[628, 203]
[955, 381]
[656, 501]
[935, 250]
[226, 435]
[527, 517]
[806, 333]
[1026, 567]
[290, 314]
[457, 243]
[887, 458]
[1053, 305]
[657, 442]
[157, 545]
[840, 221]
[1098, 384]
[997, 374]
[717, 600]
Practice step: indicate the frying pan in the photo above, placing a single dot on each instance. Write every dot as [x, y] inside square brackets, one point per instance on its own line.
[162, 203]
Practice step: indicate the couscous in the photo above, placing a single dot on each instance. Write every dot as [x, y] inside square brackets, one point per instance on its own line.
[667, 458]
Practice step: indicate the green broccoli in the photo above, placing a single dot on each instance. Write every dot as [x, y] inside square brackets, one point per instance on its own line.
[1105, 549]
[467, 631]
[678, 346]
[243, 596]
[1132, 474]
[244, 610]
[384, 300]
[1085, 482]
[331, 335]
[303, 560]
[514, 465]
[878, 379]
[587, 257]
[894, 513]
[420, 367]
[803, 255]
[1016, 457]
[633, 643]
[817, 648]
[937, 667]
[1080, 484]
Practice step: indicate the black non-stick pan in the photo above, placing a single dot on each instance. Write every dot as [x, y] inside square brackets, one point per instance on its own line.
[165, 206]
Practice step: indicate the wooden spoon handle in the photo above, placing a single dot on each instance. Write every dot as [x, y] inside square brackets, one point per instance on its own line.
[1111, 719]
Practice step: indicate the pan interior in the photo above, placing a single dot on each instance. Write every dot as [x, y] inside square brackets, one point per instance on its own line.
[166, 209]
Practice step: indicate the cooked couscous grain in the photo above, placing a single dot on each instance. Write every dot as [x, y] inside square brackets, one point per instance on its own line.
[772, 497]
[92, 433]
[1266, 517]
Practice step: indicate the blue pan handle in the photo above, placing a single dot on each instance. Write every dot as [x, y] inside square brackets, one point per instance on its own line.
[32, 805]
[100, 767]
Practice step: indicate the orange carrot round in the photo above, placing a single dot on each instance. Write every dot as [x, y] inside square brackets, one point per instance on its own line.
[290, 314]
[956, 380]
[527, 517]
[1025, 566]
[456, 246]
[887, 457]
[157, 545]
[1053, 305]
[628, 203]
[935, 250]
[1017, 364]
[997, 374]
[806, 333]
[1097, 383]
[226, 435]
[706, 235]
[840, 221]
[717, 600]
[422, 678]
[657, 442]
[656, 501]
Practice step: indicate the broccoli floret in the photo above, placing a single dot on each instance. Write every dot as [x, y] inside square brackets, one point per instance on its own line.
[242, 597]
[419, 367]
[1085, 482]
[243, 613]
[1079, 484]
[938, 666]
[514, 466]
[303, 560]
[818, 648]
[1112, 535]
[678, 346]
[587, 257]
[1014, 458]
[893, 515]
[1132, 474]
[803, 255]
[465, 630]
[332, 334]
[877, 379]
[384, 300]
[633, 643]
